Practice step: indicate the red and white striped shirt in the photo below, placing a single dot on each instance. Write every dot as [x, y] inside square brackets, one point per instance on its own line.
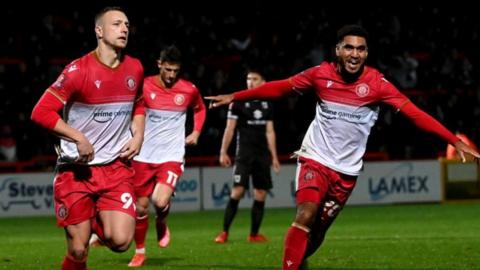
[345, 114]
[98, 102]
[166, 111]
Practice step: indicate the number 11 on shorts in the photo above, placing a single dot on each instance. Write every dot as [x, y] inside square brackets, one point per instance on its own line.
[172, 178]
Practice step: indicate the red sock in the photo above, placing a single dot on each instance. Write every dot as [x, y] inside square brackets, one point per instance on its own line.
[295, 246]
[70, 263]
[141, 228]
[97, 228]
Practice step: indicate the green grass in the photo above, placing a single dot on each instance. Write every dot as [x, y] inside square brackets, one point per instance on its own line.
[422, 237]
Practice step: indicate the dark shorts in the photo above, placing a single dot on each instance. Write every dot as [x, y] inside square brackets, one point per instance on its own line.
[258, 168]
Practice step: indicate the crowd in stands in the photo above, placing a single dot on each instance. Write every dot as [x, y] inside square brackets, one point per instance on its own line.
[428, 53]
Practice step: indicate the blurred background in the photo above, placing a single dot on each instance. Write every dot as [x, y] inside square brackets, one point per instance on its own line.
[429, 53]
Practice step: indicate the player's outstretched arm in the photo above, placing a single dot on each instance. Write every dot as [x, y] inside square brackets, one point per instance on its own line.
[427, 123]
[269, 90]
[464, 151]
[220, 100]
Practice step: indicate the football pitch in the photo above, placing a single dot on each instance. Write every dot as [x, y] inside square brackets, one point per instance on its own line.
[426, 237]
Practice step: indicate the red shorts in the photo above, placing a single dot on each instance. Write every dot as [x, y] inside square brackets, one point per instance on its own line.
[147, 175]
[81, 191]
[317, 183]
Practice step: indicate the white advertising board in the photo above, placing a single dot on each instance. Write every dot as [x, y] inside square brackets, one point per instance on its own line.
[217, 185]
[31, 194]
[26, 194]
[398, 182]
[187, 191]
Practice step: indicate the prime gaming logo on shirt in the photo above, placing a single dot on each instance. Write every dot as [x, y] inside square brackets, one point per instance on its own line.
[156, 118]
[106, 116]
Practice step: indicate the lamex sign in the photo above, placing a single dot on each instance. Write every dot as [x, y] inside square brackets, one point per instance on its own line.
[26, 194]
[398, 182]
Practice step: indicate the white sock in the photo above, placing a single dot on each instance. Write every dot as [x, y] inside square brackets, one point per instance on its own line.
[140, 250]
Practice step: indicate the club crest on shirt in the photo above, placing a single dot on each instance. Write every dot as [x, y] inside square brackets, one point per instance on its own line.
[309, 175]
[257, 114]
[179, 99]
[362, 89]
[62, 212]
[152, 96]
[237, 178]
[131, 83]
